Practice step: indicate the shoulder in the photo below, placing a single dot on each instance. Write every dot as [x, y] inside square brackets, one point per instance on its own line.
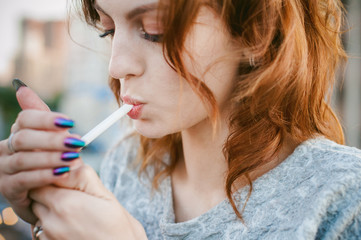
[321, 156]
[118, 160]
[326, 148]
[314, 194]
[329, 158]
[338, 195]
[326, 170]
[315, 165]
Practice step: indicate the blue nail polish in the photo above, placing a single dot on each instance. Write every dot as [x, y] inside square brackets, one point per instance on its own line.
[69, 156]
[60, 170]
[74, 143]
[64, 123]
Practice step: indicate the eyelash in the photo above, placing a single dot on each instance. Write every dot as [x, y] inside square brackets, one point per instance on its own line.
[106, 33]
[156, 38]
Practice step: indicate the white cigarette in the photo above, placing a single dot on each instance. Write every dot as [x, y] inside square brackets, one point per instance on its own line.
[106, 123]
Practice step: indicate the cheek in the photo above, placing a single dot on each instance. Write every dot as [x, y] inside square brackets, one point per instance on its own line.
[191, 110]
[210, 57]
[172, 113]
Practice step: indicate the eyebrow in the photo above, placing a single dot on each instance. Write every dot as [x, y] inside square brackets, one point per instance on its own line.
[133, 13]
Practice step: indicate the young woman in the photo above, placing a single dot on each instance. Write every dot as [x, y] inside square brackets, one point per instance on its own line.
[235, 136]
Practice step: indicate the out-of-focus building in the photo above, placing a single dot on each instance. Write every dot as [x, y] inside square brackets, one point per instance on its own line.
[40, 61]
[68, 59]
[42, 56]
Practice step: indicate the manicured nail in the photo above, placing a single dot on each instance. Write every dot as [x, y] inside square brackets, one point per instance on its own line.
[64, 123]
[74, 142]
[68, 156]
[17, 83]
[60, 170]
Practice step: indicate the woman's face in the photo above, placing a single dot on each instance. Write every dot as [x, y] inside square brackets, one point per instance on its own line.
[165, 103]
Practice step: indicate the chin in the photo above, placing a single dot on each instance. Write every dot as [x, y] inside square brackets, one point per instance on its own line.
[151, 130]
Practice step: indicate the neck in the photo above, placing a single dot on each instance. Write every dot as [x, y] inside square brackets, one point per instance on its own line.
[203, 164]
[198, 180]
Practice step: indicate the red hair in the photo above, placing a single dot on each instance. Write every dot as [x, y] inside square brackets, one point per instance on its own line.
[294, 47]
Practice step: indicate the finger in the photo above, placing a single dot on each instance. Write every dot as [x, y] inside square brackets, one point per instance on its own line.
[25, 161]
[28, 140]
[42, 212]
[36, 119]
[57, 199]
[45, 236]
[4, 148]
[55, 206]
[14, 128]
[45, 195]
[28, 99]
[20, 183]
[84, 179]
[54, 198]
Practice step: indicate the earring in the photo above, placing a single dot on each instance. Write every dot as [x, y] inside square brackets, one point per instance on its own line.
[251, 61]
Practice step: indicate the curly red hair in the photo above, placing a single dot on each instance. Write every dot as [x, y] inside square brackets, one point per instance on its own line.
[295, 48]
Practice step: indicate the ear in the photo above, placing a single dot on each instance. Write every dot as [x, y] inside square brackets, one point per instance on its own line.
[28, 99]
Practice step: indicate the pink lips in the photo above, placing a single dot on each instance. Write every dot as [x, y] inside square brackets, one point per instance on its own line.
[136, 111]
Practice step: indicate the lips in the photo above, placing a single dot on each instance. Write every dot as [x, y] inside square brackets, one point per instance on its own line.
[136, 111]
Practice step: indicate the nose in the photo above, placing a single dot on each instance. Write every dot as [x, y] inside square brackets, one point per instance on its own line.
[126, 58]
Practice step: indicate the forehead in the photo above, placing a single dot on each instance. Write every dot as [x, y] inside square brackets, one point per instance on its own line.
[128, 7]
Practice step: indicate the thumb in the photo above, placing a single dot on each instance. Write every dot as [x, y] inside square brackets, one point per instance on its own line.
[86, 180]
[27, 98]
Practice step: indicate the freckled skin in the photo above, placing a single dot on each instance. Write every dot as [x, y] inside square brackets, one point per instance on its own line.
[170, 103]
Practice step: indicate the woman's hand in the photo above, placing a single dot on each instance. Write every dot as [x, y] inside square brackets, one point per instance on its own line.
[83, 209]
[39, 146]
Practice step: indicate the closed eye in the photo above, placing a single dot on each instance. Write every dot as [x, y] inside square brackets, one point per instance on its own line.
[156, 38]
[106, 33]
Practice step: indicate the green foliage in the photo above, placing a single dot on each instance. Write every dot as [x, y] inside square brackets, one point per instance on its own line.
[9, 107]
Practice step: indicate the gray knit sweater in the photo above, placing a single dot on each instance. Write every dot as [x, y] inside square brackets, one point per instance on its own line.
[314, 194]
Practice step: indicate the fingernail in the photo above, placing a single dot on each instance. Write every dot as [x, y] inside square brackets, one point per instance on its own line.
[17, 83]
[74, 143]
[60, 170]
[68, 156]
[64, 123]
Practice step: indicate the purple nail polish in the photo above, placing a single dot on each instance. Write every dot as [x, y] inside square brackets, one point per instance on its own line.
[60, 170]
[69, 156]
[74, 142]
[64, 123]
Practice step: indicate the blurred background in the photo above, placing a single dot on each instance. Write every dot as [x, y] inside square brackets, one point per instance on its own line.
[66, 64]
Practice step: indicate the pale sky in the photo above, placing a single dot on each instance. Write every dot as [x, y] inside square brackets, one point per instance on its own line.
[11, 13]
